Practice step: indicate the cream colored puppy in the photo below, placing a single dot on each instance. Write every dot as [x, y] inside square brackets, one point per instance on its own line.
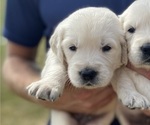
[132, 88]
[86, 48]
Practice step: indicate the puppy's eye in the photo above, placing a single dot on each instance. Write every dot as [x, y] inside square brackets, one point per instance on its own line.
[131, 30]
[73, 48]
[106, 48]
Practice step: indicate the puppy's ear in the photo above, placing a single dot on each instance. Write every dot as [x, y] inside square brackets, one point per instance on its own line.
[121, 19]
[124, 55]
[55, 57]
[56, 42]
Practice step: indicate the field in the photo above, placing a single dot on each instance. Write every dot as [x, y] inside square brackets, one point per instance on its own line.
[15, 110]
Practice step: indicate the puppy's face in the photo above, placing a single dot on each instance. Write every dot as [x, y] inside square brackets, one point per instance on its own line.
[91, 44]
[136, 24]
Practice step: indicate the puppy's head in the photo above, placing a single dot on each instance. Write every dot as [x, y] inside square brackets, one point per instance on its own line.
[136, 24]
[91, 42]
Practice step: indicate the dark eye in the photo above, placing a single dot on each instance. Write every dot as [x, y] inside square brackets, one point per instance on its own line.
[73, 48]
[131, 30]
[106, 48]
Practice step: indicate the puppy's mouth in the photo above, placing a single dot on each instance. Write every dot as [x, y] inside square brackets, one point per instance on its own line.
[89, 85]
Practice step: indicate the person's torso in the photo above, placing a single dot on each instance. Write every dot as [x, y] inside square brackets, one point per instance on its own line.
[54, 11]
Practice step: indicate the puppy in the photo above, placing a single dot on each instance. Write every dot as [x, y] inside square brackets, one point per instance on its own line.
[132, 88]
[86, 48]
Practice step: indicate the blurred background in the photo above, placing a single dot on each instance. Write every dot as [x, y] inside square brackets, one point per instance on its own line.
[14, 110]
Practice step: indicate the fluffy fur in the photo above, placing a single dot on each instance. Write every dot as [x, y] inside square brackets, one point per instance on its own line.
[132, 88]
[86, 48]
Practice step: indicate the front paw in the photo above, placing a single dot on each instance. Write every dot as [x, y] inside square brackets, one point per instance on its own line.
[135, 101]
[44, 91]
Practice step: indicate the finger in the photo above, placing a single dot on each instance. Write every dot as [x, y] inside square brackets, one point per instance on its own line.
[99, 99]
[80, 93]
[141, 71]
[104, 101]
[146, 112]
[84, 94]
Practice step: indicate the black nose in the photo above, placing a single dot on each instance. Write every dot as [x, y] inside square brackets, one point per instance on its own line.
[88, 74]
[146, 49]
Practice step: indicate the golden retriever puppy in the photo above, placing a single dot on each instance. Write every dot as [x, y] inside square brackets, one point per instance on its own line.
[86, 48]
[132, 88]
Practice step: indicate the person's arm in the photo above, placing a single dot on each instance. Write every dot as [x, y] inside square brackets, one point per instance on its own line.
[20, 70]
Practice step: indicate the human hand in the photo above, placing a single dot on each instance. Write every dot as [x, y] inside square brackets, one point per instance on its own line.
[142, 71]
[88, 101]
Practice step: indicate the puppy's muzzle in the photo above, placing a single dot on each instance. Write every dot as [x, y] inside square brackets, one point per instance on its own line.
[146, 52]
[88, 75]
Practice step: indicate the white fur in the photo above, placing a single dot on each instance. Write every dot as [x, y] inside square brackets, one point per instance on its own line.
[132, 88]
[90, 30]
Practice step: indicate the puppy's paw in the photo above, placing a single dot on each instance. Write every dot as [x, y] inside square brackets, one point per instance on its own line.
[135, 101]
[44, 91]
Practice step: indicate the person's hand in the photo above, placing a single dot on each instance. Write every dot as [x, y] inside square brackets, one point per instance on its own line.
[146, 112]
[142, 71]
[88, 101]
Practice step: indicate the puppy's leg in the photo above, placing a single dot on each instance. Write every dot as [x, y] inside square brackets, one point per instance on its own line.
[142, 84]
[124, 86]
[61, 118]
[52, 82]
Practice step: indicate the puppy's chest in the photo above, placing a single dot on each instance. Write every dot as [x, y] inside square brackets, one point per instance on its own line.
[84, 119]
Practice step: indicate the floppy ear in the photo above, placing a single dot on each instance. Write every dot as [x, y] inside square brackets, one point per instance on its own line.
[56, 42]
[55, 56]
[121, 19]
[124, 55]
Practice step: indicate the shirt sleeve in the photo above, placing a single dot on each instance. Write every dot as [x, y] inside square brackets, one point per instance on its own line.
[23, 23]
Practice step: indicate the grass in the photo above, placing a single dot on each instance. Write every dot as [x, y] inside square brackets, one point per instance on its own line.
[15, 110]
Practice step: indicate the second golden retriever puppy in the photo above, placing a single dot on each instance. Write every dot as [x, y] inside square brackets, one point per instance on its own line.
[86, 48]
[132, 88]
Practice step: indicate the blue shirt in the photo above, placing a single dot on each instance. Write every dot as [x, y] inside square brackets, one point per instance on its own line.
[28, 20]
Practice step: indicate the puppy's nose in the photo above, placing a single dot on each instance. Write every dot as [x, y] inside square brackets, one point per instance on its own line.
[146, 49]
[88, 74]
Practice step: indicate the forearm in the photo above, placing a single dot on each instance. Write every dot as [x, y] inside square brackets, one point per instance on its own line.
[18, 73]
